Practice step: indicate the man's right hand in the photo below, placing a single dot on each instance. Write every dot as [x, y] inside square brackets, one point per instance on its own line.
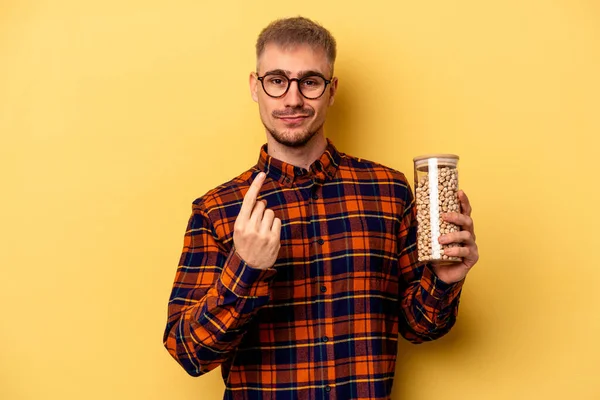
[256, 232]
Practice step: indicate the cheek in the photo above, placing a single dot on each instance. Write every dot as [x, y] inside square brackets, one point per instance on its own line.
[321, 110]
[265, 108]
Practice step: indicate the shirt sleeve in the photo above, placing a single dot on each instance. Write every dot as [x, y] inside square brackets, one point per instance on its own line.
[429, 306]
[215, 295]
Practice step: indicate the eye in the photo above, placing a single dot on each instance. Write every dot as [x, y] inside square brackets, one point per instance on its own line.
[277, 81]
[309, 82]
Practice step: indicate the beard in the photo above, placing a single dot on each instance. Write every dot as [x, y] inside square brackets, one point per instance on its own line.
[296, 139]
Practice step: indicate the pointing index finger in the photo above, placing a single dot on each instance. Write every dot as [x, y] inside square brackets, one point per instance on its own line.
[251, 194]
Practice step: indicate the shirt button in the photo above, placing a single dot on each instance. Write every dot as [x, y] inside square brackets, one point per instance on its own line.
[320, 241]
[323, 288]
[315, 196]
[325, 338]
[287, 180]
[328, 388]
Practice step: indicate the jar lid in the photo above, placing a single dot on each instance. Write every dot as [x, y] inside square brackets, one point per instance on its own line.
[428, 156]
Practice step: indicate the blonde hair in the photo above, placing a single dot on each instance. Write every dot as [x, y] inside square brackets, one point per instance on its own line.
[296, 31]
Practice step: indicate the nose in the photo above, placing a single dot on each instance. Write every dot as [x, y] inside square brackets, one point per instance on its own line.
[293, 98]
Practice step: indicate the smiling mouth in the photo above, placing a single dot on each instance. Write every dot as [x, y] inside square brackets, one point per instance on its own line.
[293, 119]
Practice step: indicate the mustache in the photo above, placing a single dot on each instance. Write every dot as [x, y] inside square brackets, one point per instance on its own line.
[297, 112]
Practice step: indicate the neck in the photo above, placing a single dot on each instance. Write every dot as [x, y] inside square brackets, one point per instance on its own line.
[298, 156]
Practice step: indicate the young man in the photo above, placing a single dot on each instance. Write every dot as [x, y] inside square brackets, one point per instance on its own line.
[298, 275]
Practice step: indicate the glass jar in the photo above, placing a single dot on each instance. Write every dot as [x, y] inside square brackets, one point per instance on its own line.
[436, 193]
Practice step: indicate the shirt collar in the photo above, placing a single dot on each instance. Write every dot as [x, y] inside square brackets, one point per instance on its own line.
[322, 170]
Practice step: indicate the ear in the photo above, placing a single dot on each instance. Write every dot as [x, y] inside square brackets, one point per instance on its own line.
[253, 86]
[332, 90]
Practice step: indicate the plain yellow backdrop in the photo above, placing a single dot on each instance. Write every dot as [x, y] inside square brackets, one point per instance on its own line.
[115, 116]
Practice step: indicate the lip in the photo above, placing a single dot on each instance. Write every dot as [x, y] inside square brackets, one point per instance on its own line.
[293, 119]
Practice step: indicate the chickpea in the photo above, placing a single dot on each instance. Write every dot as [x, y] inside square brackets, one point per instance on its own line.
[447, 187]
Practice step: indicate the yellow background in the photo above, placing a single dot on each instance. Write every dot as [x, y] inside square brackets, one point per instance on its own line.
[116, 115]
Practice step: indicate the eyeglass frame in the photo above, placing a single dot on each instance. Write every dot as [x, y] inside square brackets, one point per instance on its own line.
[290, 80]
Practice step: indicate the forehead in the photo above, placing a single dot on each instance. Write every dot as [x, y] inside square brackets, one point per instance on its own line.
[293, 58]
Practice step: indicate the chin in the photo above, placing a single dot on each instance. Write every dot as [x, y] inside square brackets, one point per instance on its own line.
[293, 138]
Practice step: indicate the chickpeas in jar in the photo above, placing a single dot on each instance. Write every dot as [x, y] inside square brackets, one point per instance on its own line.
[436, 193]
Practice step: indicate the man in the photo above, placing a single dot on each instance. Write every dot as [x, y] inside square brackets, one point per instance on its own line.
[298, 275]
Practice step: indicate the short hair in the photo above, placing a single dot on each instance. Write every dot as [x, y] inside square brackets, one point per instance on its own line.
[296, 31]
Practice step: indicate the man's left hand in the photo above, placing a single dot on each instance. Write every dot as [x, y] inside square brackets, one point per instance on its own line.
[456, 272]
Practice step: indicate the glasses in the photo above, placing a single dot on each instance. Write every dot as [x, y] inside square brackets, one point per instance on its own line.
[311, 87]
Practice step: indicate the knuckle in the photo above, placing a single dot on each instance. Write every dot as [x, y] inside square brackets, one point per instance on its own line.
[471, 238]
[264, 237]
[247, 229]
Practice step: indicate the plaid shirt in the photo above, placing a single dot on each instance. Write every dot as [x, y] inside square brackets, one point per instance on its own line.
[323, 322]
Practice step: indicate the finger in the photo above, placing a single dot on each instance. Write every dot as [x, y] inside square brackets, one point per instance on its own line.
[469, 254]
[250, 197]
[267, 221]
[457, 237]
[257, 214]
[276, 228]
[462, 252]
[465, 204]
[464, 221]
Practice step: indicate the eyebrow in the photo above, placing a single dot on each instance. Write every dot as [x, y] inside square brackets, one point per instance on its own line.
[301, 74]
